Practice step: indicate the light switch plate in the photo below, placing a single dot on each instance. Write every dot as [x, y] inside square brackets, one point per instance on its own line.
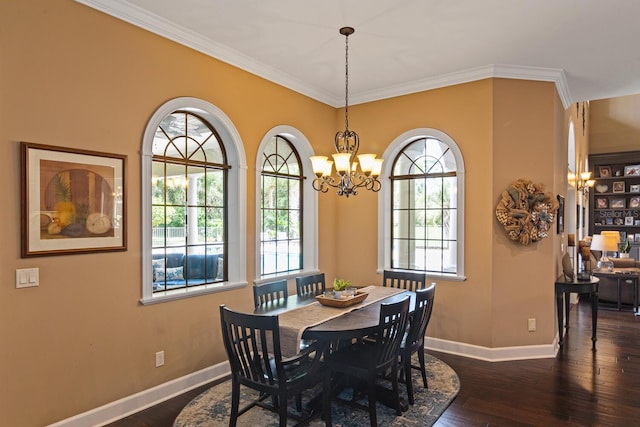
[27, 277]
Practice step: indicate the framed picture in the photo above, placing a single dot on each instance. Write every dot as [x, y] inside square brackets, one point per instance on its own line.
[605, 171]
[618, 187]
[601, 203]
[632, 170]
[73, 201]
[634, 188]
[609, 221]
[628, 220]
[560, 228]
[617, 203]
[634, 202]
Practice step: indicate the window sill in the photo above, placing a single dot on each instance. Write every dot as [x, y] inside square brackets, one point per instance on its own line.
[177, 294]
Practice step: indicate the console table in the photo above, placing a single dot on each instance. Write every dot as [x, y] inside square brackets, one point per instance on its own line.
[563, 289]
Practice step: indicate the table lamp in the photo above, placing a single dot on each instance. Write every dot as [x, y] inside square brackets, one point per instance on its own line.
[605, 243]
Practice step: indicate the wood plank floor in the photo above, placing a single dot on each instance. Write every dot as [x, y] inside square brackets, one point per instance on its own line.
[577, 388]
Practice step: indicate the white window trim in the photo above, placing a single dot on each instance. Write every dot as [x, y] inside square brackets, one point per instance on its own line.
[384, 200]
[309, 204]
[236, 200]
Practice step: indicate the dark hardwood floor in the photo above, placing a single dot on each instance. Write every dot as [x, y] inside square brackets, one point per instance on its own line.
[576, 388]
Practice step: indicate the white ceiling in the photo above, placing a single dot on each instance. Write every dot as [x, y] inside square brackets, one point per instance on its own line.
[587, 47]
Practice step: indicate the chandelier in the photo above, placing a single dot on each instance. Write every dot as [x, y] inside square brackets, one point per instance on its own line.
[346, 142]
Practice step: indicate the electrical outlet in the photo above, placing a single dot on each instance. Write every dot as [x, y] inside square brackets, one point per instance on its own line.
[532, 325]
[159, 358]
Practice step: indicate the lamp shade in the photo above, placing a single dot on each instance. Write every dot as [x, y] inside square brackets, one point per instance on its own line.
[601, 242]
[615, 235]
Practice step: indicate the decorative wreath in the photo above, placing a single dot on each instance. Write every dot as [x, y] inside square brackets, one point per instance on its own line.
[526, 211]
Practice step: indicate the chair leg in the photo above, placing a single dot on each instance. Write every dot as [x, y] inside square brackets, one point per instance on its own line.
[423, 370]
[282, 409]
[371, 393]
[235, 403]
[326, 399]
[396, 390]
[406, 361]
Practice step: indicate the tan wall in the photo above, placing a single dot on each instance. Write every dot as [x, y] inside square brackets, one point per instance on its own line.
[614, 125]
[74, 77]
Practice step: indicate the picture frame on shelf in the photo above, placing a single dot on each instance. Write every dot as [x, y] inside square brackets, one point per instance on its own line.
[637, 239]
[632, 170]
[73, 201]
[618, 221]
[608, 221]
[634, 202]
[602, 203]
[605, 171]
[636, 222]
[634, 188]
[618, 203]
[618, 187]
[628, 220]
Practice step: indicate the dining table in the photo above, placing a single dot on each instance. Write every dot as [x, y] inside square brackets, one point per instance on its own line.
[305, 319]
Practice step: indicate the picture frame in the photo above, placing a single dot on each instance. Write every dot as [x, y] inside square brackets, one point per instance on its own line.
[618, 187]
[605, 171]
[632, 170]
[608, 221]
[560, 214]
[618, 204]
[634, 203]
[628, 220]
[634, 188]
[602, 203]
[73, 201]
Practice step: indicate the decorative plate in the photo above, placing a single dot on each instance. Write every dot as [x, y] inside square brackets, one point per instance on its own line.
[602, 188]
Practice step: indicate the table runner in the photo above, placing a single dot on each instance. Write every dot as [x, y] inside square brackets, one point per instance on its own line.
[294, 322]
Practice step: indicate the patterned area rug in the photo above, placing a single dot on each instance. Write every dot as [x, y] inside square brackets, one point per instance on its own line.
[212, 407]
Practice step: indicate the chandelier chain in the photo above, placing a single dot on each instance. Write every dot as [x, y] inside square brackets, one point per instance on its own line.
[346, 83]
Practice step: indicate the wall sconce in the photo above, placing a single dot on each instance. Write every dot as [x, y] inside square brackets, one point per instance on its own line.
[584, 182]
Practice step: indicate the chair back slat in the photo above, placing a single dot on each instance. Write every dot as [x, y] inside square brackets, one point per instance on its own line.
[269, 292]
[404, 280]
[420, 320]
[392, 326]
[310, 285]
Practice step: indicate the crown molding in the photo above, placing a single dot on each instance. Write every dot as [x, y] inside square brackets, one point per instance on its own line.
[141, 18]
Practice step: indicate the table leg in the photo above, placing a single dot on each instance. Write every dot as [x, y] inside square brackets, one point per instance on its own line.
[594, 318]
[635, 296]
[559, 310]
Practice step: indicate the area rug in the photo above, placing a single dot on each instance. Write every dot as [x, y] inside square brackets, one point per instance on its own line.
[212, 407]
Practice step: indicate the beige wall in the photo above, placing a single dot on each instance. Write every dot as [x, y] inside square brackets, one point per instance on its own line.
[74, 77]
[614, 125]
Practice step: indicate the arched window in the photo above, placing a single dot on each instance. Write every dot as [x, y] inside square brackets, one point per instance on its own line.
[187, 228]
[281, 208]
[286, 206]
[423, 205]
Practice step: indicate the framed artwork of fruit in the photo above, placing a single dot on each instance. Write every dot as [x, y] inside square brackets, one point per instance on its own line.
[73, 201]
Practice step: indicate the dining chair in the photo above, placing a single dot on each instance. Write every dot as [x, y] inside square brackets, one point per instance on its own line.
[367, 360]
[269, 292]
[252, 343]
[310, 285]
[403, 280]
[413, 341]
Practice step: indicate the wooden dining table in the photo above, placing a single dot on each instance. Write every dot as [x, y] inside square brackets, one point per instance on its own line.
[346, 324]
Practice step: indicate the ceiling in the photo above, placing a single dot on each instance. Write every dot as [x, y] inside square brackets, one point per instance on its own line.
[586, 47]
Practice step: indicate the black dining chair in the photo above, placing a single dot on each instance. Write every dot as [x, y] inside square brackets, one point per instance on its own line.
[310, 285]
[252, 343]
[367, 360]
[414, 338]
[403, 280]
[269, 292]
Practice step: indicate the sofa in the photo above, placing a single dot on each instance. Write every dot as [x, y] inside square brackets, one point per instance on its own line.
[608, 289]
[178, 270]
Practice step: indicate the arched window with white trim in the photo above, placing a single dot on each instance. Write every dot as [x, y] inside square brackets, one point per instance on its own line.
[192, 158]
[423, 205]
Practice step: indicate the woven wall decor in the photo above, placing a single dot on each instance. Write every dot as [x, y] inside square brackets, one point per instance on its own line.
[526, 212]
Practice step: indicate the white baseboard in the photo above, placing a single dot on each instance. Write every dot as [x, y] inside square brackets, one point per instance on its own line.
[499, 354]
[137, 402]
